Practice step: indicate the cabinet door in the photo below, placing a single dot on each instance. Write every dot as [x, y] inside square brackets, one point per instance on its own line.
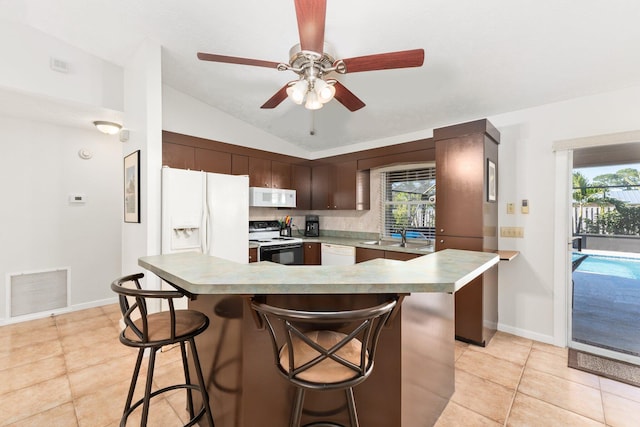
[312, 254]
[213, 161]
[365, 254]
[239, 164]
[178, 156]
[400, 256]
[344, 196]
[460, 170]
[280, 174]
[322, 180]
[301, 182]
[253, 254]
[259, 172]
[454, 242]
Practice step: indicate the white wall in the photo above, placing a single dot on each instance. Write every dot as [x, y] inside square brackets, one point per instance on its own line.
[26, 53]
[143, 117]
[527, 171]
[184, 114]
[39, 168]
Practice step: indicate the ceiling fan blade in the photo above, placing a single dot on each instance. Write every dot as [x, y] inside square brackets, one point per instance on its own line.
[311, 22]
[236, 60]
[347, 98]
[276, 99]
[385, 61]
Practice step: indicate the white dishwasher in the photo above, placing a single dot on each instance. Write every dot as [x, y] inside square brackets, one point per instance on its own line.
[337, 254]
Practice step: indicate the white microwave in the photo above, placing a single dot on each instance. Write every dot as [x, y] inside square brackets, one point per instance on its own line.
[272, 197]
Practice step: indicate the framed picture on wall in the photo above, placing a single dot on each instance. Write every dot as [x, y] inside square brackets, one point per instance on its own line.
[492, 178]
[132, 187]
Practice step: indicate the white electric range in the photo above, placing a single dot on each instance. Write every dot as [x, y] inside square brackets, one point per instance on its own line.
[274, 247]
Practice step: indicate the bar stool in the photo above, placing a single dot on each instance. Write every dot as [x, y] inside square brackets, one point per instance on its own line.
[153, 331]
[324, 350]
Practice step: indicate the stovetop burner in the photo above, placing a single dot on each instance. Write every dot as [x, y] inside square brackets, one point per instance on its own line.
[267, 233]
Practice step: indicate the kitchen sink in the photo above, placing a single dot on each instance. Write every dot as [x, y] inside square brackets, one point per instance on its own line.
[375, 242]
[409, 245]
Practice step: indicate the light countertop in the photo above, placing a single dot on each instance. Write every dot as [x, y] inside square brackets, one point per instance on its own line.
[443, 271]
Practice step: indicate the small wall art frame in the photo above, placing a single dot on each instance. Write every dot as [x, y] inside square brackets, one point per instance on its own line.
[492, 181]
[132, 187]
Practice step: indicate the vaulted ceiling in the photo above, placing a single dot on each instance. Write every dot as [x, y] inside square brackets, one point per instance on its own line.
[482, 57]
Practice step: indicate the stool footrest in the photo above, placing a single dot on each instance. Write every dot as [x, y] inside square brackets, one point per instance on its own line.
[134, 406]
[323, 424]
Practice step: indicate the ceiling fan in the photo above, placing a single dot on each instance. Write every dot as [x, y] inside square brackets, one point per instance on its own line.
[312, 61]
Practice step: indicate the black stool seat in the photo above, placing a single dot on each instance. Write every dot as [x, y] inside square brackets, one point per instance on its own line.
[324, 350]
[153, 331]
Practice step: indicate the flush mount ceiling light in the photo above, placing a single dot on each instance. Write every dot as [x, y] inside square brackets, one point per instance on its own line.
[110, 128]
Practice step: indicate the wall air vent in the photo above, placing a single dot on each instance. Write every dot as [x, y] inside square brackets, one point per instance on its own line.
[37, 292]
[59, 65]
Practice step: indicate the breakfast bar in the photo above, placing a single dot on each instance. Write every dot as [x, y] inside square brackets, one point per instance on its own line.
[413, 377]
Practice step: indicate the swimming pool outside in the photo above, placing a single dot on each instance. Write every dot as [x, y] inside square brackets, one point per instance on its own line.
[606, 301]
[619, 266]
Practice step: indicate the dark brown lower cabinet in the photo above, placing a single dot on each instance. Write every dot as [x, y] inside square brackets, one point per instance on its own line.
[476, 304]
[365, 254]
[411, 383]
[399, 256]
[312, 254]
[253, 254]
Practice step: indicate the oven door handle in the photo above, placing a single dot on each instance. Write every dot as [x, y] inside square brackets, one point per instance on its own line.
[278, 248]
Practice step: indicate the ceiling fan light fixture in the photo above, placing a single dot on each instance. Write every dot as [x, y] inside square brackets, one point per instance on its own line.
[298, 91]
[313, 103]
[324, 90]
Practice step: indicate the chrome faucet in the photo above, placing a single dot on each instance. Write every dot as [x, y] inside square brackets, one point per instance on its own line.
[403, 235]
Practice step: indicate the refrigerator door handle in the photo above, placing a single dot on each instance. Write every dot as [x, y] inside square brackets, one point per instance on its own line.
[205, 216]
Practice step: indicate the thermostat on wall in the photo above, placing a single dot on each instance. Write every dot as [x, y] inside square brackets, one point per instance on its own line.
[77, 199]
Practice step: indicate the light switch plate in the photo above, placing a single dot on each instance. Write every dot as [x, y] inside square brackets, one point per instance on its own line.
[511, 208]
[517, 232]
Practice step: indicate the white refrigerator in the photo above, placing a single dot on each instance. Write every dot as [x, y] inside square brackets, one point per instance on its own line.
[205, 212]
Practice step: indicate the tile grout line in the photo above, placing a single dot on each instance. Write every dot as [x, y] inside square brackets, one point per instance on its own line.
[515, 392]
[66, 369]
[604, 412]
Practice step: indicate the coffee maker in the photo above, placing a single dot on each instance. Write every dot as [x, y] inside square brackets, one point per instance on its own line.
[311, 226]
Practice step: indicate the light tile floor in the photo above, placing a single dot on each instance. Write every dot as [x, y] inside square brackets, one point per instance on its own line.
[70, 370]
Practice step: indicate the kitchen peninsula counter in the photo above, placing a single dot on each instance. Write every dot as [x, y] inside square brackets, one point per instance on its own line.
[443, 271]
[413, 378]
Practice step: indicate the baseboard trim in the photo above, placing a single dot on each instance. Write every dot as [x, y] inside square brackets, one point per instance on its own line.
[524, 333]
[75, 307]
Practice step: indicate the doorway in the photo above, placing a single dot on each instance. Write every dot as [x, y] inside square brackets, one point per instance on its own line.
[604, 297]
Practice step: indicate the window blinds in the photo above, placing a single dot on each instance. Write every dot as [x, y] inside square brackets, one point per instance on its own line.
[408, 202]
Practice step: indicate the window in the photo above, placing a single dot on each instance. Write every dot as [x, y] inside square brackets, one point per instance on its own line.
[409, 202]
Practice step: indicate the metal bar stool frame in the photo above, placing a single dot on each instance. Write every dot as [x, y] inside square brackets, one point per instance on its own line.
[139, 304]
[286, 325]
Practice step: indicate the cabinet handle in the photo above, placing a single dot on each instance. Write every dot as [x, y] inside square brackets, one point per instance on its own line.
[442, 230]
[441, 241]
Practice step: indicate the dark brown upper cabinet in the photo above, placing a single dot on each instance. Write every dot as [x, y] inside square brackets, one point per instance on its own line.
[280, 175]
[178, 156]
[239, 164]
[340, 186]
[212, 161]
[301, 182]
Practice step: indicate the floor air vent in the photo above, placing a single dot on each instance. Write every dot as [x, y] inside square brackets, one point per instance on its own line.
[38, 292]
